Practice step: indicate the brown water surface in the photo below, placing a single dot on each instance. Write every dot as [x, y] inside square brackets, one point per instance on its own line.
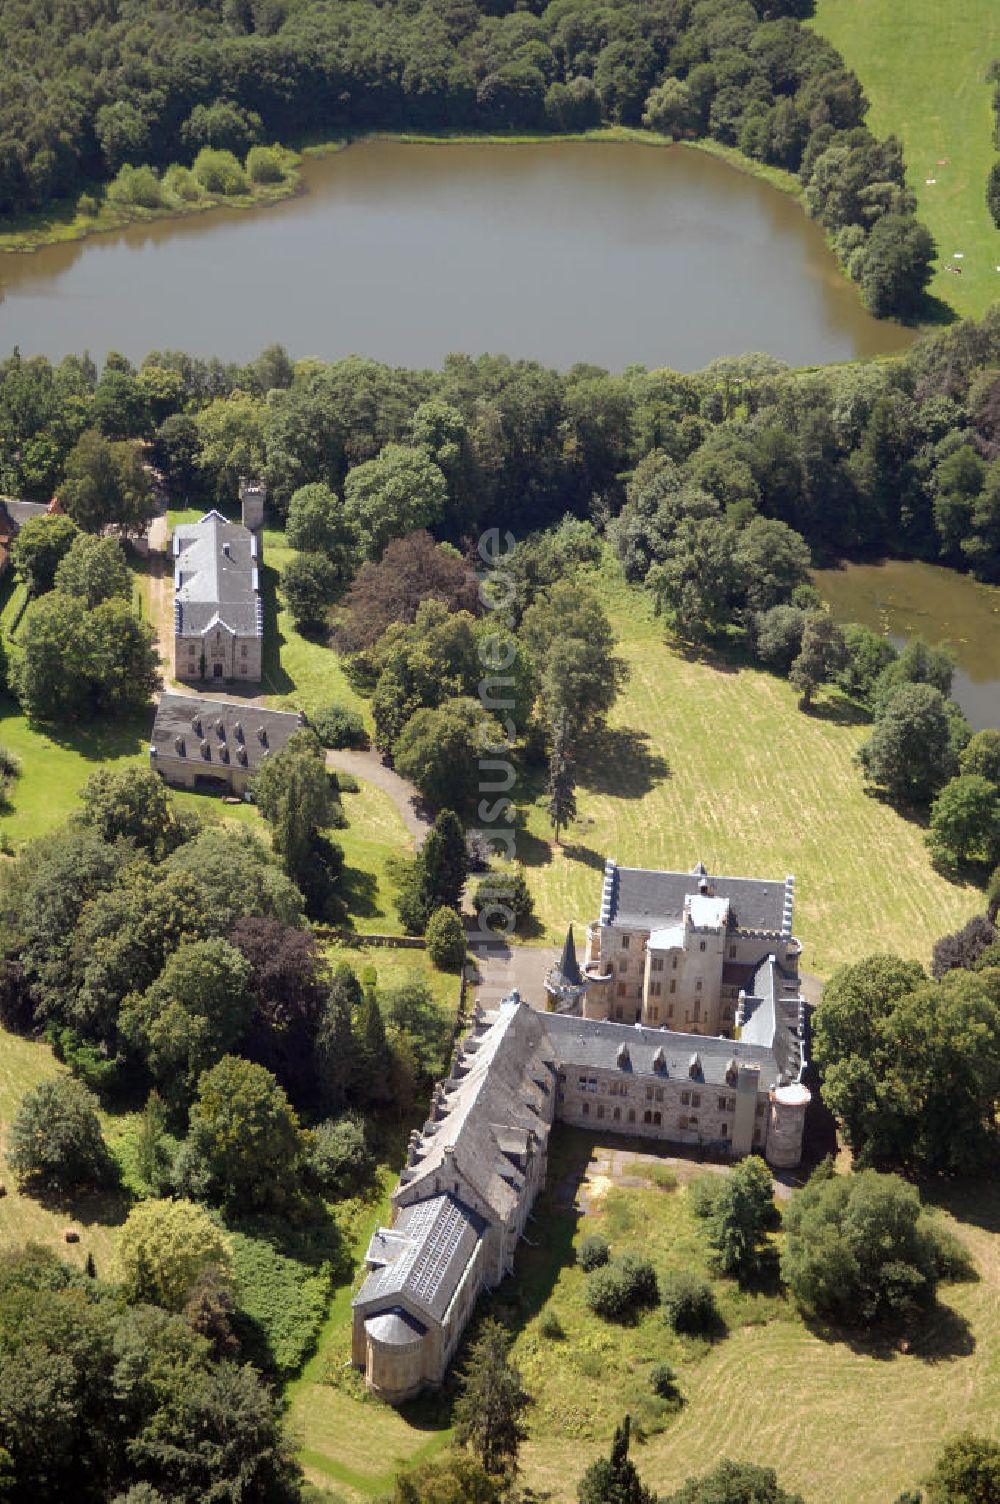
[906, 600]
[563, 251]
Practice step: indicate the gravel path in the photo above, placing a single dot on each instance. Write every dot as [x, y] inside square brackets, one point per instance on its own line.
[370, 767]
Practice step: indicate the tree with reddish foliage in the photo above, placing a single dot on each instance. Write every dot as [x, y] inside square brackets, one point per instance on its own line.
[291, 988]
[411, 570]
[963, 948]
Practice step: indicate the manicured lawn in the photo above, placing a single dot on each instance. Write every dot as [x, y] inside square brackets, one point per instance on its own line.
[28, 1219]
[299, 673]
[716, 763]
[393, 967]
[923, 66]
[55, 764]
[375, 834]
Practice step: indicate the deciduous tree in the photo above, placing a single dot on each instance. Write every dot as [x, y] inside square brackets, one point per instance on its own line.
[243, 1144]
[165, 1248]
[55, 1139]
[39, 547]
[397, 493]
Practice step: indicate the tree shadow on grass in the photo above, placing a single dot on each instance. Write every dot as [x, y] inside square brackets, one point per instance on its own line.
[357, 896]
[941, 1336]
[934, 311]
[275, 678]
[838, 710]
[530, 850]
[620, 761]
[976, 1202]
[585, 855]
[101, 740]
[87, 1208]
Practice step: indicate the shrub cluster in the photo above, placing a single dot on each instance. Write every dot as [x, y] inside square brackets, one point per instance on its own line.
[338, 727]
[617, 1290]
[592, 1251]
[689, 1305]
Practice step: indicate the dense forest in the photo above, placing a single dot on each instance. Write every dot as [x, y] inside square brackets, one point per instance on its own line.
[88, 87]
[895, 457]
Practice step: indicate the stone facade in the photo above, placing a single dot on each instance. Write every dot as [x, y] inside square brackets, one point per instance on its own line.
[218, 612]
[676, 950]
[470, 1180]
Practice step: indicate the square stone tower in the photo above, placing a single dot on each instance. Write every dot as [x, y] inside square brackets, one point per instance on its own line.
[253, 495]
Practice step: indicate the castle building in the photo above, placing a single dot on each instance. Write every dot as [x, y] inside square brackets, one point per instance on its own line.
[218, 611]
[565, 984]
[472, 1173]
[679, 948]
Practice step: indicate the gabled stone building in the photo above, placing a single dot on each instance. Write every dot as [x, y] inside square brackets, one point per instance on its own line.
[215, 744]
[218, 611]
[473, 1171]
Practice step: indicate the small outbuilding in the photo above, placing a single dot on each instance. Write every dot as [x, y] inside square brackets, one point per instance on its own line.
[215, 744]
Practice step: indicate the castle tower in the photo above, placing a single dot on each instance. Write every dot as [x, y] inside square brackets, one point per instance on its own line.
[565, 984]
[253, 495]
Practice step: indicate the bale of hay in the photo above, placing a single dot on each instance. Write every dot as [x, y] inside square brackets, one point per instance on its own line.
[71, 1235]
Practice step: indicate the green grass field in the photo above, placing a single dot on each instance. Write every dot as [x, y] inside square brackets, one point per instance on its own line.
[298, 673]
[771, 1391]
[923, 66]
[713, 762]
[27, 1219]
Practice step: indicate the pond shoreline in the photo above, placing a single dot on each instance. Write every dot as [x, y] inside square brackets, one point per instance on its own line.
[58, 224]
[652, 256]
[906, 598]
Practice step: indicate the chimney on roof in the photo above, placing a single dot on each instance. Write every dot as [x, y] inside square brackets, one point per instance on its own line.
[253, 495]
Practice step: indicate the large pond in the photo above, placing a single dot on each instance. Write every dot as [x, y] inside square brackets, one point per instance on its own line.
[609, 253]
[907, 600]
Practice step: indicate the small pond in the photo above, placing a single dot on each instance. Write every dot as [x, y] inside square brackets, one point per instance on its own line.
[907, 600]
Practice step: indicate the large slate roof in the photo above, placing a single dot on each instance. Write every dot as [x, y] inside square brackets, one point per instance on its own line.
[428, 1250]
[216, 577]
[484, 1115]
[586, 1043]
[237, 735]
[644, 899]
[14, 513]
[773, 1016]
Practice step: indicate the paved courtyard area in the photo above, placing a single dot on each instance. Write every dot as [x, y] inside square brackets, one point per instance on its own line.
[501, 966]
